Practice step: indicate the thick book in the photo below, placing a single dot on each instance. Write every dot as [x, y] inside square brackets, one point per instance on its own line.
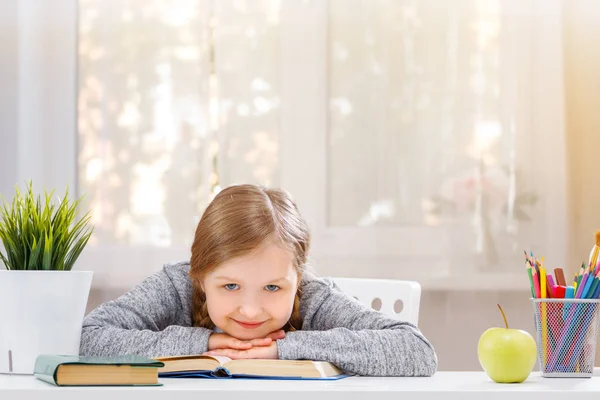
[199, 366]
[128, 370]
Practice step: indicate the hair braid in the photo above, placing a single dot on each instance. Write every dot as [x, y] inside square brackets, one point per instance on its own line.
[200, 314]
[295, 321]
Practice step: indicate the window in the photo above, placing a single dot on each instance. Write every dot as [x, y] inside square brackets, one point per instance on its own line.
[417, 138]
[432, 151]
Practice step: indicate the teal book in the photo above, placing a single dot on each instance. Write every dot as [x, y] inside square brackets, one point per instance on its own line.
[126, 370]
[217, 367]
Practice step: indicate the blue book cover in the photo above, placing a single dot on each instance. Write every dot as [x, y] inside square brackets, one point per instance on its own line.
[216, 367]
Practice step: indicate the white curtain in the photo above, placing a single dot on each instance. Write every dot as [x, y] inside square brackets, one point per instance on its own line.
[433, 128]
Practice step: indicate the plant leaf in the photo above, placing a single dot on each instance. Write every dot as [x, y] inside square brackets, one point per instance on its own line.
[35, 253]
[38, 234]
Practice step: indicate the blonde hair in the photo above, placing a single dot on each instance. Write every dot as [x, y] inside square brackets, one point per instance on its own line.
[239, 220]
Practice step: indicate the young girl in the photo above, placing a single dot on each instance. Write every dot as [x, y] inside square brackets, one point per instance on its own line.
[247, 293]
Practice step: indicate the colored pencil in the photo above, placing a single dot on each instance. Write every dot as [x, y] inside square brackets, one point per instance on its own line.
[544, 317]
[531, 282]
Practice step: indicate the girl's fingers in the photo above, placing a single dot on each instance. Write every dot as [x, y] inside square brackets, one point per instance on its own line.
[261, 342]
[239, 344]
[228, 342]
[224, 341]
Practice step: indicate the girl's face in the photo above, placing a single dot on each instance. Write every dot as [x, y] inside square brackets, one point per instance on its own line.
[251, 296]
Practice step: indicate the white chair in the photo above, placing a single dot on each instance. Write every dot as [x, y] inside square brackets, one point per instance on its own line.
[398, 299]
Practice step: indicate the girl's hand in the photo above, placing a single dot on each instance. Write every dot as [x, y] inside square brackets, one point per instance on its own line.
[269, 352]
[225, 341]
[280, 334]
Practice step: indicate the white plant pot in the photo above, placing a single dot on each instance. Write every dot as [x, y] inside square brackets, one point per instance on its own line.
[41, 312]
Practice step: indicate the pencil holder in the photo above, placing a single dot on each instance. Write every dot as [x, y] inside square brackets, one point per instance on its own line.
[566, 334]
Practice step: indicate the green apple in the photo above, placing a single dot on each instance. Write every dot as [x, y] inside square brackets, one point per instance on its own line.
[507, 355]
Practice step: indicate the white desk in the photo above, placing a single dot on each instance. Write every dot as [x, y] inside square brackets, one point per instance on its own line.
[443, 385]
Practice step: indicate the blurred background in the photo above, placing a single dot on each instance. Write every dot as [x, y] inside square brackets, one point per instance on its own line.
[422, 139]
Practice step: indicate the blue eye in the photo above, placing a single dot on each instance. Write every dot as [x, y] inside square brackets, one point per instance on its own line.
[232, 286]
[272, 288]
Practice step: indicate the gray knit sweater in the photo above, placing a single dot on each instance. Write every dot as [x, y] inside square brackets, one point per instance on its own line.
[155, 319]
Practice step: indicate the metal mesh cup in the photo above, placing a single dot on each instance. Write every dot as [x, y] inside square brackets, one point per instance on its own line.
[566, 333]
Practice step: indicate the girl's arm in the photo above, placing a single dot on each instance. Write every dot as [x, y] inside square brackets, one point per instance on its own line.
[359, 340]
[150, 320]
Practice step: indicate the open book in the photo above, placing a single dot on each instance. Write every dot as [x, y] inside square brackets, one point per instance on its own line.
[199, 366]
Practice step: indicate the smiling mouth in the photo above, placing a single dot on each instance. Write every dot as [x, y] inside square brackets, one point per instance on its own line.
[249, 325]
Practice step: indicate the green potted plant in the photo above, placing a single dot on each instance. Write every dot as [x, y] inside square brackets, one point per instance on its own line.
[44, 300]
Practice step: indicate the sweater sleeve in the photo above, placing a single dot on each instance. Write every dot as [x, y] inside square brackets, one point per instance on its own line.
[149, 321]
[359, 340]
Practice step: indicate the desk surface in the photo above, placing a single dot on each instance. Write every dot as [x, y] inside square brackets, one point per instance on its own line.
[443, 385]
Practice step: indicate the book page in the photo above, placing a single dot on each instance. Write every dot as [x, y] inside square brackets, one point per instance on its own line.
[191, 363]
[221, 359]
[297, 368]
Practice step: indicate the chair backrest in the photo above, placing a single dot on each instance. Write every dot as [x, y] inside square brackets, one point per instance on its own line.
[398, 299]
